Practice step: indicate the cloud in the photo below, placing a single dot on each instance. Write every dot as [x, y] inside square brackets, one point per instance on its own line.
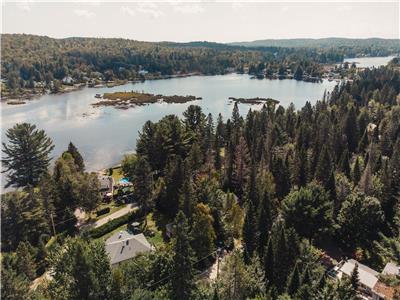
[189, 8]
[149, 8]
[24, 5]
[237, 6]
[128, 11]
[284, 9]
[84, 13]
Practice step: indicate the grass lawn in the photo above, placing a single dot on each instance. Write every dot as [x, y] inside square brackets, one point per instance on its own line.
[117, 174]
[107, 235]
[157, 240]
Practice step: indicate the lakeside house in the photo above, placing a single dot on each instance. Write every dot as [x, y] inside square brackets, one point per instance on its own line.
[124, 245]
[106, 186]
[67, 80]
[371, 286]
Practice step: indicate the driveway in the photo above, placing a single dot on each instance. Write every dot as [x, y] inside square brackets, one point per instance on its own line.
[119, 213]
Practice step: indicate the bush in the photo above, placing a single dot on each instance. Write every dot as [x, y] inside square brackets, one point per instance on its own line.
[111, 225]
[103, 211]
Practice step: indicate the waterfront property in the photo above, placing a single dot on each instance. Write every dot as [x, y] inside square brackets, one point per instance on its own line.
[124, 245]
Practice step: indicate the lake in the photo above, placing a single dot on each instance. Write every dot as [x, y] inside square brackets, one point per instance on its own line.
[369, 62]
[104, 134]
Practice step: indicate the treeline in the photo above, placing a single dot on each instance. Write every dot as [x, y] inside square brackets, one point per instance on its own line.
[345, 46]
[32, 62]
[272, 189]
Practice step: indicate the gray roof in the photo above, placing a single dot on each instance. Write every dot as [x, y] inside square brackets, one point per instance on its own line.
[124, 245]
[391, 269]
[366, 275]
[106, 182]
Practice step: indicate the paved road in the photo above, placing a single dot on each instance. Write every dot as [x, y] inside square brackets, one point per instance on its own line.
[119, 213]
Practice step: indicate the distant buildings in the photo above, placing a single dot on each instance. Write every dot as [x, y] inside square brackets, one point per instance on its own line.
[371, 286]
[124, 245]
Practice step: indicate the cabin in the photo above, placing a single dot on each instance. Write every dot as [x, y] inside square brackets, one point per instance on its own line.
[371, 287]
[124, 245]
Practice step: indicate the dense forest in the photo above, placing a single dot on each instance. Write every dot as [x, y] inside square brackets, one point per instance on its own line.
[33, 64]
[347, 46]
[277, 190]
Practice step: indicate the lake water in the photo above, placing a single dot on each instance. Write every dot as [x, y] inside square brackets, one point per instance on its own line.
[104, 134]
[369, 62]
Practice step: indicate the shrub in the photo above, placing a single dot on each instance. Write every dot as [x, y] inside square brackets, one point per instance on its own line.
[111, 225]
[103, 211]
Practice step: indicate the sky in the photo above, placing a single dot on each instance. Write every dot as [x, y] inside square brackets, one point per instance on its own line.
[202, 21]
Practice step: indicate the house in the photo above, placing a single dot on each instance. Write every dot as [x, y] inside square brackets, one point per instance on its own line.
[142, 72]
[106, 186]
[124, 245]
[371, 287]
[67, 80]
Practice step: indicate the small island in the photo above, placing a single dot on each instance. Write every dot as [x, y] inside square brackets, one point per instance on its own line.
[124, 100]
[256, 100]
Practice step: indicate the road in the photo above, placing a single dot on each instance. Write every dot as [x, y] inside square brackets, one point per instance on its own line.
[119, 213]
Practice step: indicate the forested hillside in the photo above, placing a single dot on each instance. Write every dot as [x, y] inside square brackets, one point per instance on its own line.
[35, 64]
[350, 47]
[279, 191]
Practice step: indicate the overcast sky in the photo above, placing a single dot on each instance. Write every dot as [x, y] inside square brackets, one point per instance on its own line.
[211, 21]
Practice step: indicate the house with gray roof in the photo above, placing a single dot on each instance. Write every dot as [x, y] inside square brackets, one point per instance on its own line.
[124, 245]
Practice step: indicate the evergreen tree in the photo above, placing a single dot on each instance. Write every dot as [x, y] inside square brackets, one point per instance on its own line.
[344, 164]
[143, 184]
[89, 192]
[26, 155]
[203, 234]
[25, 263]
[76, 156]
[356, 171]
[250, 234]
[269, 262]
[351, 129]
[182, 284]
[354, 278]
[293, 281]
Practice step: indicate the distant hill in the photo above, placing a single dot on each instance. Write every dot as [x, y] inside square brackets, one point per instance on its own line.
[323, 43]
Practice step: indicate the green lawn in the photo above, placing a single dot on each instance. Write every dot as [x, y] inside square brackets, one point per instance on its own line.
[157, 240]
[117, 174]
[107, 235]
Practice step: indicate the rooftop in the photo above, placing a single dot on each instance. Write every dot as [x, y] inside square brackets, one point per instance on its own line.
[123, 246]
[367, 276]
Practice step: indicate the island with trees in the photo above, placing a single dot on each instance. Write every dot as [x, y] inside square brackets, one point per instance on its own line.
[130, 99]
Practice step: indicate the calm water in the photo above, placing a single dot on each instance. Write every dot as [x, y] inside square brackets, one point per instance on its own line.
[369, 62]
[104, 134]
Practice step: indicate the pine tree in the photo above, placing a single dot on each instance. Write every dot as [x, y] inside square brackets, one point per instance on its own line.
[269, 262]
[182, 283]
[187, 201]
[250, 233]
[143, 184]
[241, 167]
[264, 222]
[354, 278]
[203, 234]
[76, 156]
[293, 281]
[26, 155]
[351, 129]
[356, 171]
[25, 262]
[344, 164]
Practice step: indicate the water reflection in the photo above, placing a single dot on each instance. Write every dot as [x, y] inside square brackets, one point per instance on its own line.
[104, 134]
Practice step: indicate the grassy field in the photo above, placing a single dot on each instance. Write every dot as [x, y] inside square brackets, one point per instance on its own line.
[157, 240]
